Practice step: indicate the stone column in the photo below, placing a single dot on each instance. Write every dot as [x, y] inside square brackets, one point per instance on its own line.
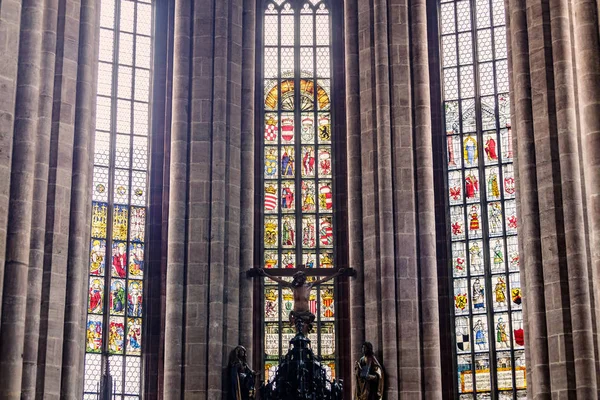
[554, 83]
[586, 40]
[355, 249]
[40, 194]
[10, 23]
[210, 206]
[248, 177]
[50, 148]
[153, 344]
[425, 207]
[174, 340]
[20, 209]
[390, 200]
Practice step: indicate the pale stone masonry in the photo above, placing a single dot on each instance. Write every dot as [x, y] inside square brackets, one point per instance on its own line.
[49, 81]
[391, 202]
[555, 81]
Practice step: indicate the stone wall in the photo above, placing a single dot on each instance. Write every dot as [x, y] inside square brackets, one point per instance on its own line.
[555, 84]
[202, 208]
[47, 92]
[394, 299]
[203, 187]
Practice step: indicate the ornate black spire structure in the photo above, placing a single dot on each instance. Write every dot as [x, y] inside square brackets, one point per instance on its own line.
[300, 375]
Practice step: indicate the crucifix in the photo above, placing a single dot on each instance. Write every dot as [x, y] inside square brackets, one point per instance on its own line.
[301, 316]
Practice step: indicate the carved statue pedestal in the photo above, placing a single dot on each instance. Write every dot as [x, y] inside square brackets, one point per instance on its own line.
[300, 375]
[303, 321]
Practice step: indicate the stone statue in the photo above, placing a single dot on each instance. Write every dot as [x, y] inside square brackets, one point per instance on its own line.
[301, 315]
[242, 377]
[369, 375]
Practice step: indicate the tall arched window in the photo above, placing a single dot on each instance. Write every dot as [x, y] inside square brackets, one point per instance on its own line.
[116, 284]
[297, 178]
[489, 341]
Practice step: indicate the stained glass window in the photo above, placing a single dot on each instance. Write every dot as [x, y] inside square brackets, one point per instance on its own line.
[116, 266]
[297, 185]
[488, 320]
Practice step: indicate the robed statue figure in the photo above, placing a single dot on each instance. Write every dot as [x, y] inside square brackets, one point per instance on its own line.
[369, 375]
[242, 377]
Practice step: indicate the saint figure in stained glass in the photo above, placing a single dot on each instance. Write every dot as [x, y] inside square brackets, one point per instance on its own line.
[471, 186]
[287, 162]
[308, 161]
[96, 296]
[134, 299]
[476, 258]
[470, 151]
[498, 255]
[480, 335]
[117, 298]
[97, 254]
[287, 196]
[136, 260]
[119, 260]
[500, 291]
[116, 337]
[490, 149]
[493, 187]
[94, 336]
[288, 235]
[134, 336]
[478, 295]
[501, 336]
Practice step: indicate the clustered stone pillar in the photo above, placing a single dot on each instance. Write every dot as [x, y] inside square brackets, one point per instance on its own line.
[47, 107]
[555, 85]
[210, 205]
[391, 215]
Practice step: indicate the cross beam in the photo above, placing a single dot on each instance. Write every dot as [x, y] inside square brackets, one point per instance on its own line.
[254, 273]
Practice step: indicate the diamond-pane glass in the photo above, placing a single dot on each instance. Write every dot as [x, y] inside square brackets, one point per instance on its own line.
[119, 191]
[482, 226]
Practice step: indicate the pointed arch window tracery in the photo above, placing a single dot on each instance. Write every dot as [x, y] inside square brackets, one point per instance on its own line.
[113, 340]
[489, 353]
[297, 187]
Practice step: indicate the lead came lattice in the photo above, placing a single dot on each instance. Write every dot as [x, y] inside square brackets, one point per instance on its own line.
[481, 190]
[297, 187]
[117, 259]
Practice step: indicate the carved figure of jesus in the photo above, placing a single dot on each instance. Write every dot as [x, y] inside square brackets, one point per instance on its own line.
[301, 290]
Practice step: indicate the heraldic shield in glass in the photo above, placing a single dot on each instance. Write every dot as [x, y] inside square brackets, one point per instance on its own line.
[297, 186]
[488, 320]
[117, 244]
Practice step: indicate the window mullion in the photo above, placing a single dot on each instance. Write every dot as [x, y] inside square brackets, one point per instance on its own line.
[297, 139]
[111, 180]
